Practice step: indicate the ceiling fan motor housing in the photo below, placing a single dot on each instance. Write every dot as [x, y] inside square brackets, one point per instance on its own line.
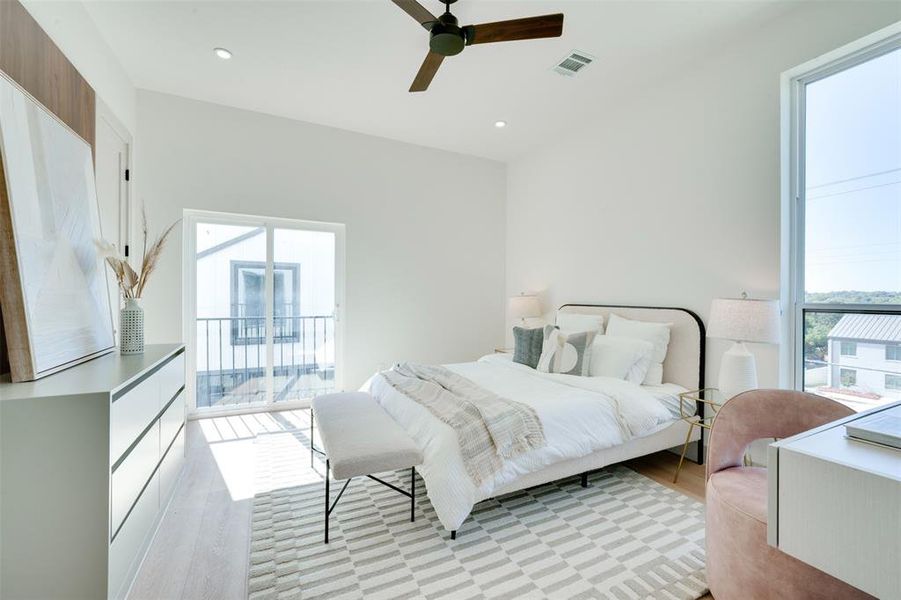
[447, 36]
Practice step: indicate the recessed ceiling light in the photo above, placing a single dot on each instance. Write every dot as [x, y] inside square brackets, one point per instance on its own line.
[500, 124]
[222, 53]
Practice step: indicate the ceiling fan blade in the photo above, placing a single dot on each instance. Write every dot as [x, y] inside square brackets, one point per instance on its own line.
[417, 11]
[426, 72]
[530, 28]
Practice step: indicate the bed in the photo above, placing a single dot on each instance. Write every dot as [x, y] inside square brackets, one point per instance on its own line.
[589, 422]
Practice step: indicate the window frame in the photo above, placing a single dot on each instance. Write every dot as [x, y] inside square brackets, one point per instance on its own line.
[852, 373]
[841, 348]
[235, 267]
[896, 347]
[891, 376]
[794, 85]
[190, 219]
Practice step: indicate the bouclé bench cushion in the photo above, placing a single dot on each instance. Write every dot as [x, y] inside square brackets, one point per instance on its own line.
[360, 438]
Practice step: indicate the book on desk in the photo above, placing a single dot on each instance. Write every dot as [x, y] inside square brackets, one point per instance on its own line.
[883, 428]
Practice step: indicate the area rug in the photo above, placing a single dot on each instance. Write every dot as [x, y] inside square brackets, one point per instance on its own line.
[623, 537]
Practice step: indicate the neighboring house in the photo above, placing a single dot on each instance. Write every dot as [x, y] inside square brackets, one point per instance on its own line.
[231, 312]
[864, 354]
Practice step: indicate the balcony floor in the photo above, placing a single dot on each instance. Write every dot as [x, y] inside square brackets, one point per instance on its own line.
[285, 387]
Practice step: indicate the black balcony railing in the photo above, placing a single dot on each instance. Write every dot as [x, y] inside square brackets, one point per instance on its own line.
[248, 324]
[232, 371]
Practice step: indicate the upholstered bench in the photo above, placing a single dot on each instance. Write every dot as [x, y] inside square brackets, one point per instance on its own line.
[358, 439]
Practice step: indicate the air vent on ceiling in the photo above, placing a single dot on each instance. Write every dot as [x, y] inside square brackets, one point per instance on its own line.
[574, 63]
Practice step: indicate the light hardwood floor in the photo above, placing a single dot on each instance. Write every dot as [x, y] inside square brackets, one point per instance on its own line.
[200, 551]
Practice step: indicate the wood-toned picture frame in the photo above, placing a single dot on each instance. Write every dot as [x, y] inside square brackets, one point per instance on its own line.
[53, 286]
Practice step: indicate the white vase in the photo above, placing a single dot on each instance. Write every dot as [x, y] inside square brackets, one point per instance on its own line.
[131, 327]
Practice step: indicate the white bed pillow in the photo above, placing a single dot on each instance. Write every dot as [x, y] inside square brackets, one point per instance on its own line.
[573, 322]
[654, 376]
[566, 353]
[656, 333]
[620, 357]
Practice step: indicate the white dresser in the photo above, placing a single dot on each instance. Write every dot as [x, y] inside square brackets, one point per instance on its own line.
[89, 458]
[835, 503]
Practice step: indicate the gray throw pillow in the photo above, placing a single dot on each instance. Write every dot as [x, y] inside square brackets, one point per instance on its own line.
[527, 345]
[567, 354]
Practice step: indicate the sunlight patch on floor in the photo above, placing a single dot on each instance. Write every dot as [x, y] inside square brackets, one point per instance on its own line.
[231, 441]
[293, 465]
[236, 461]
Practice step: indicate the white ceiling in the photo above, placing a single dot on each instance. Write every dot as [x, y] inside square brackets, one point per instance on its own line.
[349, 64]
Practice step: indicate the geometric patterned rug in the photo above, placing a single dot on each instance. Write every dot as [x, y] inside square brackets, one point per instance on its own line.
[623, 537]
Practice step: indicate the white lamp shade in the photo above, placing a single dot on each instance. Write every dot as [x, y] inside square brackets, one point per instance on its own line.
[745, 320]
[524, 307]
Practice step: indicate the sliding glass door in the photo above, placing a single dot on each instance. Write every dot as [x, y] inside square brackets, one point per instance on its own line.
[262, 306]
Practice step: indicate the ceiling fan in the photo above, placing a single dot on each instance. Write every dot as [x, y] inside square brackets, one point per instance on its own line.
[447, 38]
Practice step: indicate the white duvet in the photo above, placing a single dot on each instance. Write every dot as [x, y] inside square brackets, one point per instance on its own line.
[580, 415]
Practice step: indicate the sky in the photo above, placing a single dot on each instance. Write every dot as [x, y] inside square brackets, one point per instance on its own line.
[853, 172]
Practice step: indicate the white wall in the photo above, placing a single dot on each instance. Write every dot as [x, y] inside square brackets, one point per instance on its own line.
[72, 29]
[671, 196]
[425, 228]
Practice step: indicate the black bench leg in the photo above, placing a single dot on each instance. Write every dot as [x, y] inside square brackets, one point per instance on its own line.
[454, 534]
[585, 480]
[413, 494]
[326, 500]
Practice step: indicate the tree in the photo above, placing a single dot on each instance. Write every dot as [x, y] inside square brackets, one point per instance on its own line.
[816, 333]
[818, 325]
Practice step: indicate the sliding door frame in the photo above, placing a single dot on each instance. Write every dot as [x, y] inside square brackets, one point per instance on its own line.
[190, 220]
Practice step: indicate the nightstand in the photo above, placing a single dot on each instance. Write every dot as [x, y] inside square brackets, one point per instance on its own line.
[503, 350]
[713, 399]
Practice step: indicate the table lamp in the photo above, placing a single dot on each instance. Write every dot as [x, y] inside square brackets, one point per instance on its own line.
[742, 320]
[524, 306]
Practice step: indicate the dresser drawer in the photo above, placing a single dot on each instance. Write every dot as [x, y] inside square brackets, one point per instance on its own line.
[171, 379]
[171, 421]
[132, 474]
[127, 549]
[131, 413]
[171, 466]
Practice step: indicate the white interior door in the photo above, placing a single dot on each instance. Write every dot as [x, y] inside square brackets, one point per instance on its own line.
[110, 163]
[262, 310]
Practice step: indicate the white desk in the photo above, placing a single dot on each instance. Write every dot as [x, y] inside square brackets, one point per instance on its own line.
[835, 503]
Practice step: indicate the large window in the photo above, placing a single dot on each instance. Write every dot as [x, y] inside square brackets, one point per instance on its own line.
[846, 180]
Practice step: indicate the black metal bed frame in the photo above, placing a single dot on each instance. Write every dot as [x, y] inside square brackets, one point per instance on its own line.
[330, 506]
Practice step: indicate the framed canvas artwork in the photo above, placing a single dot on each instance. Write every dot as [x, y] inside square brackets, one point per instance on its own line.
[53, 287]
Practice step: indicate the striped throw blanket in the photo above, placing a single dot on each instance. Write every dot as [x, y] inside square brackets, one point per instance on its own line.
[489, 428]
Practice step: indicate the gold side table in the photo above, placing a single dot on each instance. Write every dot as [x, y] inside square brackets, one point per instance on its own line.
[713, 400]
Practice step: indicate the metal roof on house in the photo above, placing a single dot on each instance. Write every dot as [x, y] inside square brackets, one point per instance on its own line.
[877, 328]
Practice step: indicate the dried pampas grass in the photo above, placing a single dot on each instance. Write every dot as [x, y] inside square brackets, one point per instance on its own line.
[132, 283]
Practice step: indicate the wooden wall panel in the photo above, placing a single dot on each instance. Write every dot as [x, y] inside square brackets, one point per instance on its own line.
[29, 56]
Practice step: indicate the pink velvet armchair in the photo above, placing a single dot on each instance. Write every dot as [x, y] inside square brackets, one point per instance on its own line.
[740, 563]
